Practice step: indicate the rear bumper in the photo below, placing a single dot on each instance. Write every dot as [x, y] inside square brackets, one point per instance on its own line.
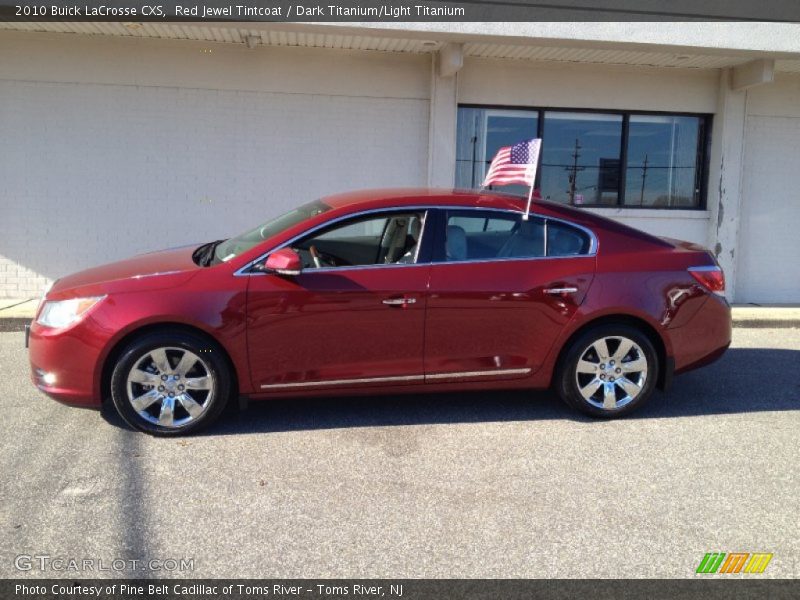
[63, 363]
[705, 338]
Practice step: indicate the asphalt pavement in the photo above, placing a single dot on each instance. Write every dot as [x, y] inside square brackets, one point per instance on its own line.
[460, 485]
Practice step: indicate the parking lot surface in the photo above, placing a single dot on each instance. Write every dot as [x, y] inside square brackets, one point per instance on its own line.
[460, 485]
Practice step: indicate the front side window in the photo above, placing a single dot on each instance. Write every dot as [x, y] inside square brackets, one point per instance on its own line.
[495, 235]
[380, 239]
[602, 158]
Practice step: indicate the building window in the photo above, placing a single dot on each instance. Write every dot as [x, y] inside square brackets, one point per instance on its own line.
[580, 160]
[481, 133]
[593, 158]
[663, 162]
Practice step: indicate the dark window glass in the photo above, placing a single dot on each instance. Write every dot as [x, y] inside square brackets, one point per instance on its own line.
[481, 133]
[564, 240]
[477, 235]
[662, 164]
[487, 235]
[580, 157]
[374, 240]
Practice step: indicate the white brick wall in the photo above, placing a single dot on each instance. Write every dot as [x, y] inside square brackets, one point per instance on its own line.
[93, 173]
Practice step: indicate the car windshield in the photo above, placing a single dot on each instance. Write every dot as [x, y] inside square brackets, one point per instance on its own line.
[235, 246]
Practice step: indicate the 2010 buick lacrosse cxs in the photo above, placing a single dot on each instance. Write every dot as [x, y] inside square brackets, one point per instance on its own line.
[397, 291]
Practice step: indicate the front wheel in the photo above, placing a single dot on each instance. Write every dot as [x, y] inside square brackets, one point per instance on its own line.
[170, 383]
[608, 371]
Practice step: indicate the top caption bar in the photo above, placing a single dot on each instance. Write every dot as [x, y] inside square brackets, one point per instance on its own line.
[305, 11]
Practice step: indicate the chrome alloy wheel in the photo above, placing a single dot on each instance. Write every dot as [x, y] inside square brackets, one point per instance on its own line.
[611, 372]
[170, 387]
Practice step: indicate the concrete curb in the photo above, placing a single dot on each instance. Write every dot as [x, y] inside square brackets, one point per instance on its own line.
[766, 323]
[13, 324]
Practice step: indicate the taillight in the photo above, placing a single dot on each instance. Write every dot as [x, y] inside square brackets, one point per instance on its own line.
[711, 278]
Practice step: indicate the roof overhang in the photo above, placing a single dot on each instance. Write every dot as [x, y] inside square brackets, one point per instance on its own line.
[662, 45]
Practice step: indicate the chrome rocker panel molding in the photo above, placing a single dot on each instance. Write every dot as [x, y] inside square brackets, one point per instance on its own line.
[397, 379]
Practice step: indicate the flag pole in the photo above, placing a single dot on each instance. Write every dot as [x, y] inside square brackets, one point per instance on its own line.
[528, 207]
[537, 144]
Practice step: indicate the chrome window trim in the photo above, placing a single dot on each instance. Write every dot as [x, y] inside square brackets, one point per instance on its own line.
[593, 241]
[398, 378]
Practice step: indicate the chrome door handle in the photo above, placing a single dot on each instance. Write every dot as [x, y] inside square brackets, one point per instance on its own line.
[561, 290]
[399, 301]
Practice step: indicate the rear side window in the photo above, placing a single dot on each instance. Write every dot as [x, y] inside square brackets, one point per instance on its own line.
[487, 235]
[565, 240]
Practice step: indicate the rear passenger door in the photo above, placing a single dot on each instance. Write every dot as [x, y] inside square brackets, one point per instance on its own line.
[501, 290]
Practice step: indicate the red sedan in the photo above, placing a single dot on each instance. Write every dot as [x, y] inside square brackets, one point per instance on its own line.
[385, 292]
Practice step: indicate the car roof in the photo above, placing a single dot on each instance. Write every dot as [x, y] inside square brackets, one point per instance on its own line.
[380, 198]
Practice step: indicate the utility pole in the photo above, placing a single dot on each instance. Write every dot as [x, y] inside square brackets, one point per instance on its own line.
[573, 176]
[474, 141]
[644, 178]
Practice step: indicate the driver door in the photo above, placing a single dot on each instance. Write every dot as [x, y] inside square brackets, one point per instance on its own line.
[355, 314]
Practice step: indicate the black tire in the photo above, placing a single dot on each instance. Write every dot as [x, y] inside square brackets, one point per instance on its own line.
[568, 381]
[210, 369]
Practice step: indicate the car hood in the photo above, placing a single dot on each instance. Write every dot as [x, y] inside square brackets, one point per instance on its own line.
[155, 270]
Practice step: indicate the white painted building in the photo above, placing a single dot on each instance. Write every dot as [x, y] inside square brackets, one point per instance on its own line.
[123, 138]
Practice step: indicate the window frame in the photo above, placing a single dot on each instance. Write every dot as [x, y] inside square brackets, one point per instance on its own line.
[431, 237]
[703, 155]
[438, 252]
[422, 259]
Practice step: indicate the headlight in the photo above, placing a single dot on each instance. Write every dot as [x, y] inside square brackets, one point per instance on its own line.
[44, 296]
[63, 313]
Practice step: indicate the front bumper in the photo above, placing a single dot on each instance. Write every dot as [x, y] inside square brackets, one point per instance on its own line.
[64, 363]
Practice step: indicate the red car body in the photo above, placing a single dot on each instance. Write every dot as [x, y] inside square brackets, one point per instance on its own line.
[330, 333]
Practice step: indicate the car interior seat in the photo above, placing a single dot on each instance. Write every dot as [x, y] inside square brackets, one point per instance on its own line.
[409, 250]
[526, 240]
[456, 245]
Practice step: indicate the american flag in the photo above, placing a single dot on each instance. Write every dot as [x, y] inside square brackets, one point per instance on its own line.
[515, 164]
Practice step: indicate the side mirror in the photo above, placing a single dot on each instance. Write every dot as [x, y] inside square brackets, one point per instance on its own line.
[284, 262]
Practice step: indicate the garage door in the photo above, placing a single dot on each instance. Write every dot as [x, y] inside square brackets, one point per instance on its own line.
[768, 267]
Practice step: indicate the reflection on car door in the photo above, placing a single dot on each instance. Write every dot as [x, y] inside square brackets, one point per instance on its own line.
[497, 301]
[339, 326]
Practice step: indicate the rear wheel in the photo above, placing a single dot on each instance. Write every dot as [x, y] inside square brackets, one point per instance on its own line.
[170, 383]
[608, 371]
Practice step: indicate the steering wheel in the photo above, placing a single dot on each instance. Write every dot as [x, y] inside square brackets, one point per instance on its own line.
[312, 250]
[323, 259]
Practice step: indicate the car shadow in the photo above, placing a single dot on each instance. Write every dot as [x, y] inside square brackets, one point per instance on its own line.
[744, 380]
